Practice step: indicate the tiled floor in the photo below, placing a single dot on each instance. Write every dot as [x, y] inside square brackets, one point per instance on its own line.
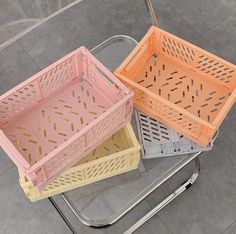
[22, 14]
[209, 207]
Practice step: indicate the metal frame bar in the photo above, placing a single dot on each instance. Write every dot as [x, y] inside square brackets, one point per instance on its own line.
[186, 185]
[62, 215]
[141, 196]
[152, 12]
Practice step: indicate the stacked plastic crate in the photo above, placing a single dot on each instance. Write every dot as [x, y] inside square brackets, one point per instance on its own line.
[53, 126]
[67, 125]
[177, 86]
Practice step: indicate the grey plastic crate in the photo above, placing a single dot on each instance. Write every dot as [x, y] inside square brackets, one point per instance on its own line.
[159, 141]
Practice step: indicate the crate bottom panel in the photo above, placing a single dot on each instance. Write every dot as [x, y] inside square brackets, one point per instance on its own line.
[56, 120]
[119, 154]
[157, 140]
[183, 87]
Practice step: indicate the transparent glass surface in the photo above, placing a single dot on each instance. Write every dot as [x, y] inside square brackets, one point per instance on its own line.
[104, 202]
[114, 50]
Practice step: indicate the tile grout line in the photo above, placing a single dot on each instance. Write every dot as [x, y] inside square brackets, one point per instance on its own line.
[197, 29]
[18, 42]
[37, 65]
[188, 23]
[167, 227]
[234, 222]
[12, 166]
[183, 17]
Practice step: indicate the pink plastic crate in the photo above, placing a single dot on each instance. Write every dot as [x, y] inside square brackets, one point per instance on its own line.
[50, 121]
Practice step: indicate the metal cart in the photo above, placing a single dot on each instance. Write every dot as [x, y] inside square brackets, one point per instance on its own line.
[103, 203]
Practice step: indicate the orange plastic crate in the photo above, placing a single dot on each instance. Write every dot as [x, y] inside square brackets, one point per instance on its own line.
[179, 84]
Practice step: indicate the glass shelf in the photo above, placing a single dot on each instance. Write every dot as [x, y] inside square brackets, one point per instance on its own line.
[104, 202]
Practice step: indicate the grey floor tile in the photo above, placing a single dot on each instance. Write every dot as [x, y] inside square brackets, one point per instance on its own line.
[201, 14]
[230, 23]
[222, 39]
[15, 67]
[11, 11]
[16, 16]
[47, 8]
[87, 23]
[153, 226]
[4, 35]
[17, 27]
[78, 227]
[5, 162]
[172, 21]
[231, 229]
[21, 216]
[230, 3]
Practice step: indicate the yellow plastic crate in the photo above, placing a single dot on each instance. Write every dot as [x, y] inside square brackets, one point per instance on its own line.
[119, 154]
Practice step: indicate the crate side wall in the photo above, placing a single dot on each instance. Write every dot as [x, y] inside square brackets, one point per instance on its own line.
[203, 62]
[134, 61]
[98, 76]
[78, 176]
[176, 119]
[38, 87]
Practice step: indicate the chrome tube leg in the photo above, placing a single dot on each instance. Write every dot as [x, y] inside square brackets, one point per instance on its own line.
[152, 12]
[147, 5]
[62, 215]
[186, 185]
